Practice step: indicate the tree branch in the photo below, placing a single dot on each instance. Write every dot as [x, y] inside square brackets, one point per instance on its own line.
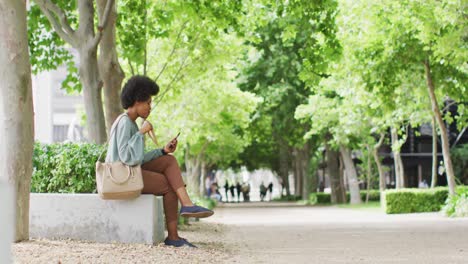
[382, 137]
[103, 22]
[202, 151]
[446, 108]
[63, 18]
[131, 66]
[169, 86]
[458, 138]
[59, 22]
[173, 50]
[321, 75]
[182, 66]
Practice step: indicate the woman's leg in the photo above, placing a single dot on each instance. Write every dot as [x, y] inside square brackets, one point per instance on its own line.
[157, 184]
[169, 166]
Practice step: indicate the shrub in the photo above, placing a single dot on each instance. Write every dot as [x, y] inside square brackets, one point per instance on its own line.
[313, 198]
[287, 198]
[325, 198]
[374, 195]
[205, 202]
[416, 200]
[460, 162]
[457, 205]
[65, 168]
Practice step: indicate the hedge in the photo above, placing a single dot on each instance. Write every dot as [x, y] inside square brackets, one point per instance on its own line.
[325, 198]
[417, 200]
[65, 167]
[287, 198]
[403, 200]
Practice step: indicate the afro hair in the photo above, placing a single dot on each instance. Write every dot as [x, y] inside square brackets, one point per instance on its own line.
[138, 88]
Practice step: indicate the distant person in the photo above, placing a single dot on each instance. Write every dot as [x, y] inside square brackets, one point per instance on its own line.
[232, 188]
[239, 190]
[423, 184]
[226, 190]
[270, 189]
[215, 194]
[160, 169]
[208, 186]
[263, 191]
[321, 186]
[246, 192]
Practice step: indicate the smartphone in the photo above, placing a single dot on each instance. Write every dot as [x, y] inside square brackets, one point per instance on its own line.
[172, 145]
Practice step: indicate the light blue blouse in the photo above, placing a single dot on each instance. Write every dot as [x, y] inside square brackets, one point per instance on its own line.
[126, 144]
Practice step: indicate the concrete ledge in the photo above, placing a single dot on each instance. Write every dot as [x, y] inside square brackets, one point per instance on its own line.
[88, 217]
[7, 218]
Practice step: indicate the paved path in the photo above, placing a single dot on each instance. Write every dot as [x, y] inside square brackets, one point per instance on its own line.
[286, 233]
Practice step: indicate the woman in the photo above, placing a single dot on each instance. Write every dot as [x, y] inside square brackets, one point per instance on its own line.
[161, 172]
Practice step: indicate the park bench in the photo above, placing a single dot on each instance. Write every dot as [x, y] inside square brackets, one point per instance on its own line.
[88, 217]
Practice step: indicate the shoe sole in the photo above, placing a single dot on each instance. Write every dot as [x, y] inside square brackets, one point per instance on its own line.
[184, 245]
[197, 215]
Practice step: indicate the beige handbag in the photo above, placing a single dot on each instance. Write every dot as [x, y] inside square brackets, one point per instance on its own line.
[116, 180]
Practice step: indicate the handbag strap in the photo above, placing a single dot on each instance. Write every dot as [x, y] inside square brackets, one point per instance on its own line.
[113, 128]
[109, 171]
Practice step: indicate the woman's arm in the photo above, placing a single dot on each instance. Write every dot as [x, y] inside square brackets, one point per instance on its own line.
[155, 153]
[130, 145]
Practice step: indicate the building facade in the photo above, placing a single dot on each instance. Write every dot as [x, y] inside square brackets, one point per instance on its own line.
[57, 114]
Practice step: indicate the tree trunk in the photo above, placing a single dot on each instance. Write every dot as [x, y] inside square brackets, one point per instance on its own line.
[353, 182]
[338, 193]
[16, 113]
[85, 41]
[89, 77]
[193, 166]
[434, 154]
[301, 170]
[295, 169]
[284, 165]
[379, 165]
[443, 131]
[109, 67]
[202, 176]
[369, 172]
[343, 177]
[89, 73]
[296, 164]
[305, 166]
[195, 172]
[399, 169]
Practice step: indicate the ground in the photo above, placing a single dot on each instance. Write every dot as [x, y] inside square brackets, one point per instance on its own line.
[281, 233]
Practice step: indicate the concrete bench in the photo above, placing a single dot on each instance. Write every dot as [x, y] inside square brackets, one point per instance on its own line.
[88, 217]
[7, 217]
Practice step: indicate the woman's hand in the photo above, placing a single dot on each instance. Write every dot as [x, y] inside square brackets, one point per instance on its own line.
[146, 127]
[171, 146]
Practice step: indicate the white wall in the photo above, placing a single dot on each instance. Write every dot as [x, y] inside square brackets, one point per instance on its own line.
[52, 106]
[42, 100]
